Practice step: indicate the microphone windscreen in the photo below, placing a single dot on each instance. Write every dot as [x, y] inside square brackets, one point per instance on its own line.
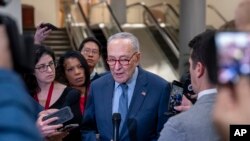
[116, 116]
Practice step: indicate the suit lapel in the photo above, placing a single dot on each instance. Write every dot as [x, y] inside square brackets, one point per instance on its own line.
[139, 94]
[107, 93]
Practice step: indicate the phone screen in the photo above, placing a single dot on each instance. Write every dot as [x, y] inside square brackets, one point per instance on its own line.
[175, 97]
[64, 114]
[233, 53]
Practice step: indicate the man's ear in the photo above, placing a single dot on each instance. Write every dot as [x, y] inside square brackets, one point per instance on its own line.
[200, 69]
[138, 57]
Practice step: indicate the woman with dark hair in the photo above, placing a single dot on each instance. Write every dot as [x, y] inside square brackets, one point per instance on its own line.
[73, 70]
[91, 49]
[50, 93]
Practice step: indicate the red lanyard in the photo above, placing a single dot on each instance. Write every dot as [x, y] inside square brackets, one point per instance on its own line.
[48, 97]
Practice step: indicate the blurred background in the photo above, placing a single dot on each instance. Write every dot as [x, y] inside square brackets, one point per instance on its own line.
[163, 27]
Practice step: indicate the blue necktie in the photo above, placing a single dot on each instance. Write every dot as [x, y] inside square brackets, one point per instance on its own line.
[123, 103]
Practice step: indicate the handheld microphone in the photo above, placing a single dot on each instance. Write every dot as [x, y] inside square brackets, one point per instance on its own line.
[116, 119]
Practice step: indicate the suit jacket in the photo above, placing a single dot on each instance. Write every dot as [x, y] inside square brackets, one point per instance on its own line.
[146, 115]
[97, 75]
[193, 125]
[18, 111]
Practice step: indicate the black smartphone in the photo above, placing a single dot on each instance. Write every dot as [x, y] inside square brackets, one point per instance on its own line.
[233, 56]
[64, 114]
[187, 87]
[49, 26]
[175, 97]
[69, 127]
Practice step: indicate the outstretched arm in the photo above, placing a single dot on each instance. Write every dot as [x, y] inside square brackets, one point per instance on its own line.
[41, 34]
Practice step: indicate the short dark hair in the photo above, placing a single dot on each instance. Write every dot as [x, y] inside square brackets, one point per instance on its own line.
[204, 51]
[60, 69]
[91, 39]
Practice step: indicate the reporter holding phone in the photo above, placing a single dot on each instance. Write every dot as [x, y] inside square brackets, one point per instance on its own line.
[51, 94]
[196, 123]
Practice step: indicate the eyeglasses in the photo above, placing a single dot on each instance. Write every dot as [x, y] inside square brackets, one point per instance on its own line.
[112, 62]
[89, 51]
[44, 67]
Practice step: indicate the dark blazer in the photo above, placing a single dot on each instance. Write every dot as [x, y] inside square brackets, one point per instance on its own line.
[145, 117]
[97, 75]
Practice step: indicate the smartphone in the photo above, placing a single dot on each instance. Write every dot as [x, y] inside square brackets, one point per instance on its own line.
[187, 87]
[175, 97]
[233, 54]
[64, 115]
[69, 127]
[49, 26]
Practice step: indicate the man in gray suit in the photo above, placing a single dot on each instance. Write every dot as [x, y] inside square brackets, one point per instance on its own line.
[196, 123]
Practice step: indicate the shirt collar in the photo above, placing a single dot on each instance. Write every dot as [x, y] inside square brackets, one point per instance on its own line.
[92, 75]
[207, 92]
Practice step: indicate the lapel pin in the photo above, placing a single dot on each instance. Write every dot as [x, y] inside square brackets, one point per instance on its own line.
[143, 93]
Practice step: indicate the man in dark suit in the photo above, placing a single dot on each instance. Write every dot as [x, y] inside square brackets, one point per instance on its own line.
[196, 124]
[146, 96]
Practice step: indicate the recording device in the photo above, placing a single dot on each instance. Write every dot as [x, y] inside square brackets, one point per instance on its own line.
[21, 46]
[233, 56]
[69, 127]
[175, 97]
[187, 87]
[116, 119]
[49, 26]
[64, 115]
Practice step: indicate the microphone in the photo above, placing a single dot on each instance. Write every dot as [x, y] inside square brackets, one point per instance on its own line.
[116, 119]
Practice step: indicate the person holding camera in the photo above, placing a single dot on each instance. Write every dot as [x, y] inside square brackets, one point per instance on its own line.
[15, 102]
[232, 104]
[52, 94]
[196, 123]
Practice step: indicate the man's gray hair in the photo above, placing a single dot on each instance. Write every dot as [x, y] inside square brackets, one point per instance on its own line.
[125, 35]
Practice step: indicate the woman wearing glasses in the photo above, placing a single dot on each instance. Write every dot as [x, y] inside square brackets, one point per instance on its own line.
[52, 94]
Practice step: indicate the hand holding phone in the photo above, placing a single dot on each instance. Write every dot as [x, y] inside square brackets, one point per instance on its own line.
[175, 97]
[49, 26]
[64, 115]
[233, 54]
[69, 127]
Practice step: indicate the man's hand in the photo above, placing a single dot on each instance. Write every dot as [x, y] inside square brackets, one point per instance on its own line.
[185, 104]
[232, 106]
